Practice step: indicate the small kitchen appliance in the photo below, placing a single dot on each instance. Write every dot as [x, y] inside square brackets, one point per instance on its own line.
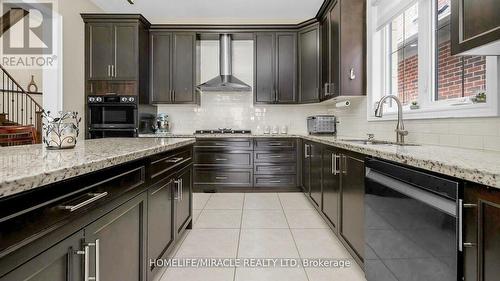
[322, 124]
[162, 123]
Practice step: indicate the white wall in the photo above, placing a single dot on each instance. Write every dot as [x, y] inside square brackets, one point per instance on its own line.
[478, 133]
[235, 110]
[74, 53]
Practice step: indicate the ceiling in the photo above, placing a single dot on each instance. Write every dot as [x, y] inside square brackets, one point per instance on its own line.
[217, 11]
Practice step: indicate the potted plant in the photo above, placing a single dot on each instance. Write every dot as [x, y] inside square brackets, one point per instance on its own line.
[414, 105]
[479, 98]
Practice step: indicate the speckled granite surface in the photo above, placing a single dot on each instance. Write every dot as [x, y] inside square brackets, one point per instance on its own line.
[478, 166]
[27, 167]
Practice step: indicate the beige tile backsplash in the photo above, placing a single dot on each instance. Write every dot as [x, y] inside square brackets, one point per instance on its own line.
[476, 133]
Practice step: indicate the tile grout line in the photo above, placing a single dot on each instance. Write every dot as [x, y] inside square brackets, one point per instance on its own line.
[293, 238]
[239, 234]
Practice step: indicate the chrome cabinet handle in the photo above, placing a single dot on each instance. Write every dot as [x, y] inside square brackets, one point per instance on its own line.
[275, 143]
[460, 225]
[274, 169]
[95, 197]
[327, 89]
[343, 169]
[174, 160]
[274, 156]
[306, 150]
[182, 189]
[352, 76]
[86, 262]
[178, 183]
[87, 276]
[275, 181]
[221, 159]
[335, 164]
[221, 178]
[109, 70]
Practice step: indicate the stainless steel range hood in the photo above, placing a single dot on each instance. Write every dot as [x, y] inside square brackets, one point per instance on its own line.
[225, 82]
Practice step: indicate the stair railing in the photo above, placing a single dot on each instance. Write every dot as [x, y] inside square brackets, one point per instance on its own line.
[17, 106]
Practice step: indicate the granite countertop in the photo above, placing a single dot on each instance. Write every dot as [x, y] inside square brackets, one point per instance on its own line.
[479, 166]
[27, 167]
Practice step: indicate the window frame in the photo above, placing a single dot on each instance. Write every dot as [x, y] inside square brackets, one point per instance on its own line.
[377, 66]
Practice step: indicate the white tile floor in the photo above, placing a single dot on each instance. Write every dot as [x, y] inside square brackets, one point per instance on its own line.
[259, 225]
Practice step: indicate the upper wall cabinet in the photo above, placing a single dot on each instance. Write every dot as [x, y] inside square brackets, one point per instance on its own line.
[275, 68]
[116, 49]
[173, 68]
[475, 27]
[309, 65]
[343, 51]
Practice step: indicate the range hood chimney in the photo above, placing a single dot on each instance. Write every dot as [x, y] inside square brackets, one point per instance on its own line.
[225, 82]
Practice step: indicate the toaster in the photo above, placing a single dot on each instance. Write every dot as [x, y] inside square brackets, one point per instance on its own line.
[322, 124]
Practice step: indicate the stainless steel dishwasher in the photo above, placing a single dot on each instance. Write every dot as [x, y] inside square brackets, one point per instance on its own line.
[412, 224]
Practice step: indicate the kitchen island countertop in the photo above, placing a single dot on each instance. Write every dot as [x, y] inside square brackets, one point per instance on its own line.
[27, 167]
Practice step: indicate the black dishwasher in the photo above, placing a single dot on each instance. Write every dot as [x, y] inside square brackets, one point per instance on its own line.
[412, 224]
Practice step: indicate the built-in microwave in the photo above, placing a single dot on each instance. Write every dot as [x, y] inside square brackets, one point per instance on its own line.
[117, 114]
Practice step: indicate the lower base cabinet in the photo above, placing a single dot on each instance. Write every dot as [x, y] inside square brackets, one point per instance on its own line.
[117, 244]
[184, 183]
[160, 220]
[331, 186]
[481, 234]
[352, 171]
[59, 263]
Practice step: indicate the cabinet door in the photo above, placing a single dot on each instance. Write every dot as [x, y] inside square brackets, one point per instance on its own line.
[286, 65]
[161, 67]
[309, 65]
[324, 28]
[306, 169]
[184, 198]
[119, 242]
[160, 218]
[475, 23]
[59, 263]
[183, 71]
[331, 185]
[315, 177]
[335, 52]
[126, 60]
[352, 48]
[481, 233]
[353, 189]
[265, 91]
[100, 55]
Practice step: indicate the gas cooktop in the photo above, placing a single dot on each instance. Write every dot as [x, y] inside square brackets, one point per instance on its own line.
[223, 131]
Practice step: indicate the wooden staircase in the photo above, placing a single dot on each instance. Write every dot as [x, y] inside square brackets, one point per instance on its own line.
[17, 107]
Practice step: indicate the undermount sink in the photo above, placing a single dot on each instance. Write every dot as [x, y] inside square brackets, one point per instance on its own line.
[377, 142]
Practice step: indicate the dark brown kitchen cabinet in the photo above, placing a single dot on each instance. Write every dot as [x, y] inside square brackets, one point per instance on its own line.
[61, 262]
[160, 67]
[481, 233]
[116, 55]
[183, 199]
[275, 67]
[331, 185]
[475, 27]
[311, 175]
[352, 169]
[113, 51]
[160, 219]
[330, 53]
[117, 242]
[343, 51]
[173, 70]
[309, 61]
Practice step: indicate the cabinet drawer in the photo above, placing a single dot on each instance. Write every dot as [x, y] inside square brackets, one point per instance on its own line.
[277, 143]
[224, 144]
[237, 177]
[161, 165]
[224, 158]
[267, 169]
[275, 157]
[275, 181]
